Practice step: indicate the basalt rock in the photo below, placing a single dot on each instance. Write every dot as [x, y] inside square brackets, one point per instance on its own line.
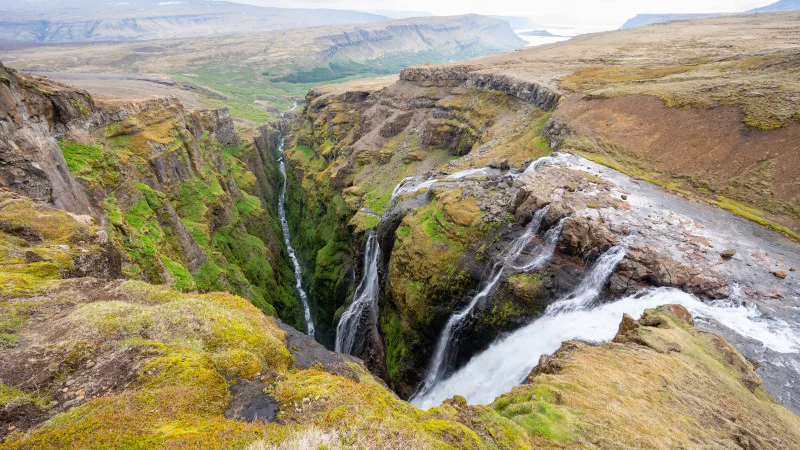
[648, 267]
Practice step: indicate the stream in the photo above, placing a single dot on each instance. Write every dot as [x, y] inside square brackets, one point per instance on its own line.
[298, 271]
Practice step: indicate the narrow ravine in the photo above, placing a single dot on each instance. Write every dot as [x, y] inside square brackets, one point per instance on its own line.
[298, 271]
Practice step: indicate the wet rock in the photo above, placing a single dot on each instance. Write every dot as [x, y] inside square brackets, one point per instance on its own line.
[728, 254]
[585, 236]
[644, 267]
[504, 165]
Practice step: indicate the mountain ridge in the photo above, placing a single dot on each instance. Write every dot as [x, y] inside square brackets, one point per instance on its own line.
[98, 21]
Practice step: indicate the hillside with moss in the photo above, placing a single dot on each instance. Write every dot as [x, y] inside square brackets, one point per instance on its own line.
[179, 197]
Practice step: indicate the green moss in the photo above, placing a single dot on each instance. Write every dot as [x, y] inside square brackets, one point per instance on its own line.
[29, 278]
[237, 363]
[363, 222]
[182, 279]
[396, 348]
[402, 232]
[11, 397]
[80, 107]
[533, 408]
[13, 316]
[197, 196]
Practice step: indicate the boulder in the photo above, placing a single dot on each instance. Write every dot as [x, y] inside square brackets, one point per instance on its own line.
[780, 274]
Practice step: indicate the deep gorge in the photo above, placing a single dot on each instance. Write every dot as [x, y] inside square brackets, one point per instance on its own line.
[492, 269]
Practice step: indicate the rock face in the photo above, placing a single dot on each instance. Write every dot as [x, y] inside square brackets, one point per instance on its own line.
[452, 76]
[182, 198]
[32, 117]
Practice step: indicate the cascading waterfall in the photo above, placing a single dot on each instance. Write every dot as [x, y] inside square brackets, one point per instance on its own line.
[507, 362]
[582, 296]
[440, 352]
[364, 306]
[587, 292]
[545, 250]
[365, 298]
[298, 271]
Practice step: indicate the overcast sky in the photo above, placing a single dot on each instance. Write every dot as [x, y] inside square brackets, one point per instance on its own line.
[585, 13]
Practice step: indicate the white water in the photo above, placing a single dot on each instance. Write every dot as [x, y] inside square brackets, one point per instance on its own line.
[587, 292]
[582, 296]
[365, 299]
[298, 272]
[509, 361]
[513, 251]
[545, 250]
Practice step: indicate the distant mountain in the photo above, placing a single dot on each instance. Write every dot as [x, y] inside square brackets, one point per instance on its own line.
[641, 20]
[98, 20]
[782, 5]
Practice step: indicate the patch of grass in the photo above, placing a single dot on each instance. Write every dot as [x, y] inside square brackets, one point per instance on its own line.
[13, 316]
[363, 222]
[11, 397]
[592, 77]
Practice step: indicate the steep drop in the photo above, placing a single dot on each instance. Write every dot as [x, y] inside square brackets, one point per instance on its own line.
[298, 271]
[364, 306]
[436, 368]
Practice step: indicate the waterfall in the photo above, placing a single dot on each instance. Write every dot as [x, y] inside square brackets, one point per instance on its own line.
[507, 362]
[513, 251]
[583, 294]
[298, 271]
[543, 160]
[365, 299]
[587, 292]
[545, 250]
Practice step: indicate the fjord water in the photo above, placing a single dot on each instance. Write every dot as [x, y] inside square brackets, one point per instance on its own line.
[298, 271]
[364, 307]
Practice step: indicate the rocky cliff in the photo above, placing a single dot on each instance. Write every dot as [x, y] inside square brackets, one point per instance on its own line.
[88, 360]
[179, 194]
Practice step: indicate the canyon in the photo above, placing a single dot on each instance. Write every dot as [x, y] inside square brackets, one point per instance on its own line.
[589, 244]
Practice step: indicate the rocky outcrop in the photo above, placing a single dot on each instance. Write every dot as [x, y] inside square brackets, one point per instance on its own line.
[32, 116]
[462, 75]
